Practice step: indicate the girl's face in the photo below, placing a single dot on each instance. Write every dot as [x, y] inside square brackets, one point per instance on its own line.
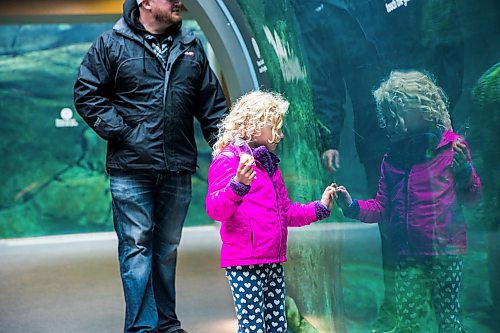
[266, 138]
[415, 121]
[405, 123]
[395, 126]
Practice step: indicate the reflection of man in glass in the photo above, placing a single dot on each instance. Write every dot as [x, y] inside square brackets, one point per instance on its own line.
[139, 87]
[350, 47]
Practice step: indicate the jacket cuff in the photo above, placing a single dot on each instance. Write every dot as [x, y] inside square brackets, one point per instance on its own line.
[330, 142]
[463, 175]
[124, 133]
[239, 188]
[352, 211]
[334, 142]
[322, 212]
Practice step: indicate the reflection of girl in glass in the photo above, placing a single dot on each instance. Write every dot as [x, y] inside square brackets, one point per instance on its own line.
[425, 176]
[247, 194]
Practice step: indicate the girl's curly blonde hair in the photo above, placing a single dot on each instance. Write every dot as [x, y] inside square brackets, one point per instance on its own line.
[248, 116]
[412, 90]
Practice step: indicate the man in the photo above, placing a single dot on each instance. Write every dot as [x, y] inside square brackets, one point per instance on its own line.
[366, 40]
[139, 87]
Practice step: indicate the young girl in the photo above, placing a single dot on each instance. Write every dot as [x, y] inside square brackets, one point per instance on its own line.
[425, 176]
[247, 195]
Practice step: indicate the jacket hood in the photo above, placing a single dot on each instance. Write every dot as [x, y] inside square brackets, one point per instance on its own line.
[448, 136]
[131, 15]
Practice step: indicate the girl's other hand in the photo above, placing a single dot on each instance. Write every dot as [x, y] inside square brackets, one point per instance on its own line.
[460, 156]
[245, 173]
[344, 199]
[328, 197]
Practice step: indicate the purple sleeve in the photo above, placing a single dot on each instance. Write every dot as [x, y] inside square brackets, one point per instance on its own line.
[468, 184]
[322, 212]
[352, 211]
[374, 210]
[239, 188]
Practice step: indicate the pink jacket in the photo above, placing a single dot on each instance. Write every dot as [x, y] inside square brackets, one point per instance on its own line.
[422, 204]
[254, 226]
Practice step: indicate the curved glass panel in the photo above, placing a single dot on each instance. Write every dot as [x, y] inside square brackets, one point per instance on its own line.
[423, 267]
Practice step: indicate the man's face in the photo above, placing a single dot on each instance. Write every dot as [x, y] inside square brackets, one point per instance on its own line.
[167, 12]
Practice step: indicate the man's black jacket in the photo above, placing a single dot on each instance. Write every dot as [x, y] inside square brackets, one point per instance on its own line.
[143, 108]
[365, 42]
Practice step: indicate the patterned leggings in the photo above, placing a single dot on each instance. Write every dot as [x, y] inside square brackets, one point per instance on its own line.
[417, 278]
[259, 297]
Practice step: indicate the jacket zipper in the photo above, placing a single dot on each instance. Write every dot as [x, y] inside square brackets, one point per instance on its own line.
[167, 79]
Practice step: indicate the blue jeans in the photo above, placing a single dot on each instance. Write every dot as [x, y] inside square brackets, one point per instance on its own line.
[149, 210]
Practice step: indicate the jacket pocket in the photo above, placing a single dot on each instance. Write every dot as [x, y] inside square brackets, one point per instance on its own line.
[136, 137]
[139, 147]
[251, 236]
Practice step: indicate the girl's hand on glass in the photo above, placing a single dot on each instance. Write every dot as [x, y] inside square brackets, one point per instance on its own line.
[344, 199]
[328, 197]
[245, 172]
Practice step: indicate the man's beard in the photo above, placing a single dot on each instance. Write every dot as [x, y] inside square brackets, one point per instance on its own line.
[164, 18]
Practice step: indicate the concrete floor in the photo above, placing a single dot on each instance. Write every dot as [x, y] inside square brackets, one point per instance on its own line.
[72, 284]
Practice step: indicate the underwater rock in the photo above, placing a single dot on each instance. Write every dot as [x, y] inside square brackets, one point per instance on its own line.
[486, 95]
[296, 322]
[486, 92]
